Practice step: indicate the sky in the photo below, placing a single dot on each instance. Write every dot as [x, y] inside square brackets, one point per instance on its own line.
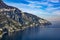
[47, 9]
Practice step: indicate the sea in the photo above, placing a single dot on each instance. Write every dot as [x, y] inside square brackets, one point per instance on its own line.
[44, 32]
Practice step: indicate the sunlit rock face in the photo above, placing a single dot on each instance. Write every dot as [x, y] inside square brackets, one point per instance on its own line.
[6, 24]
[13, 19]
[22, 17]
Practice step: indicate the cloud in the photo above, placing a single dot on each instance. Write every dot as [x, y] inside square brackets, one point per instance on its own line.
[54, 16]
[52, 9]
[44, 10]
[54, 1]
[57, 12]
[17, 1]
[36, 3]
[44, 5]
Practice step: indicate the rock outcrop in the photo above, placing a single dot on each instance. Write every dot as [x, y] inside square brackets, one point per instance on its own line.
[13, 19]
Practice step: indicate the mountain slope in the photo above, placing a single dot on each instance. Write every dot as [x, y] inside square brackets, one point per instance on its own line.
[13, 19]
[22, 18]
[18, 15]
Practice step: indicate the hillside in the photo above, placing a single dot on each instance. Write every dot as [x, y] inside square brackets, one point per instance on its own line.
[13, 19]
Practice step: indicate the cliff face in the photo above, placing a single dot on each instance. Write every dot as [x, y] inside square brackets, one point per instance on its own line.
[19, 16]
[12, 18]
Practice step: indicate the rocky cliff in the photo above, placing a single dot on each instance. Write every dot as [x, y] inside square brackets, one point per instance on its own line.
[14, 19]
